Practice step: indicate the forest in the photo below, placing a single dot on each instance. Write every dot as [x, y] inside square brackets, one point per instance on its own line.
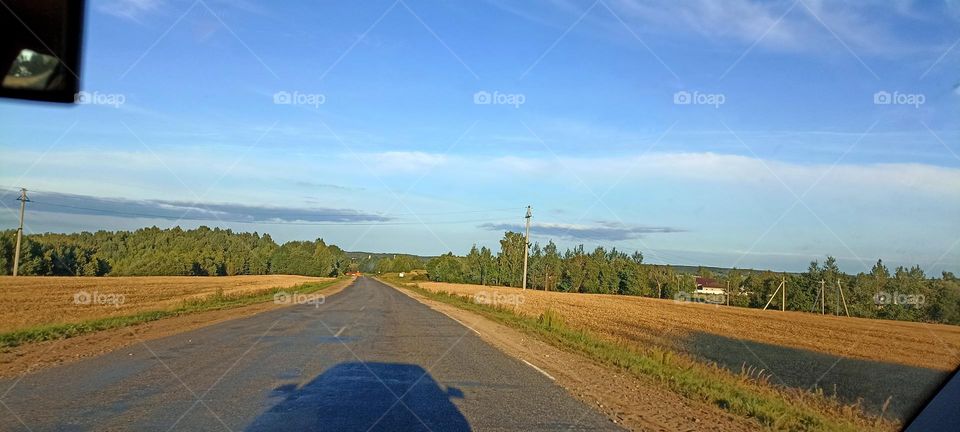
[168, 252]
[903, 293]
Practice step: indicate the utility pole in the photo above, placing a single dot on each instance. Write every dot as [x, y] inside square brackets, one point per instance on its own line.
[783, 295]
[526, 246]
[16, 254]
[844, 298]
[822, 297]
[728, 292]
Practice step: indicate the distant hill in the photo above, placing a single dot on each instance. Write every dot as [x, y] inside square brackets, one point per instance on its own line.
[718, 271]
[367, 261]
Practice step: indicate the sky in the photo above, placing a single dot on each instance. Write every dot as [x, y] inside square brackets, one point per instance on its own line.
[734, 133]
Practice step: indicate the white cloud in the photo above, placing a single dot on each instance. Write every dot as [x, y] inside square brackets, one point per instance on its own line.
[735, 171]
[864, 26]
[132, 10]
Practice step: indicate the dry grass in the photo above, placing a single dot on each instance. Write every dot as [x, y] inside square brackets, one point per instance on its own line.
[29, 301]
[664, 322]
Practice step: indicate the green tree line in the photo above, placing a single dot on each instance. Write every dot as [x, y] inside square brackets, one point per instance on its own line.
[398, 263]
[904, 293]
[168, 252]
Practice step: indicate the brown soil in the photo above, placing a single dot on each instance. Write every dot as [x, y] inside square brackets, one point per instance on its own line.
[646, 321]
[633, 402]
[27, 301]
[33, 357]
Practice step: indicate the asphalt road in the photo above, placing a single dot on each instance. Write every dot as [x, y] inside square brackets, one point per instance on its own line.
[368, 358]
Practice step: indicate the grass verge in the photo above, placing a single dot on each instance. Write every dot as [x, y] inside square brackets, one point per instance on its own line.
[216, 301]
[744, 394]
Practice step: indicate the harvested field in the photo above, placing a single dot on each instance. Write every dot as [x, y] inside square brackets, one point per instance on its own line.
[27, 301]
[664, 322]
[852, 358]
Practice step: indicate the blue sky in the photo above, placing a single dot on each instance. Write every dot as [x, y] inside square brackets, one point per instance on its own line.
[812, 128]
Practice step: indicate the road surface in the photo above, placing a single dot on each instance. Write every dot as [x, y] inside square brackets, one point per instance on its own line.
[368, 358]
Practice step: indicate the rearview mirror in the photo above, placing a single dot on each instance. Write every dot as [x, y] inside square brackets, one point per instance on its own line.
[40, 49]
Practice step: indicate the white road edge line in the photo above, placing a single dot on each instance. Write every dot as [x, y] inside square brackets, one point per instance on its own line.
[340, 331]
[461, 322]
[539, 370]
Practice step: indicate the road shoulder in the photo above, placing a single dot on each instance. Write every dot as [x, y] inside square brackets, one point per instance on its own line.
[628, 400]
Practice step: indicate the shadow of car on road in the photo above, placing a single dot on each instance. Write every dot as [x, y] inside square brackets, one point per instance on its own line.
[365, 397]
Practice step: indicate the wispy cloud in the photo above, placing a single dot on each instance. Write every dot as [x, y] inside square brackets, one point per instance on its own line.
[732, 170]
[782, 25]
[316, 185]
[137, 10]
[133, 10]
[599, 231]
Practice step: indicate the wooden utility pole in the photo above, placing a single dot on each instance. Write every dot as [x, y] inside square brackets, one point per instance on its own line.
[822, 297]
[843, 298]
[16, 254]
[526, 246]
[782, 289]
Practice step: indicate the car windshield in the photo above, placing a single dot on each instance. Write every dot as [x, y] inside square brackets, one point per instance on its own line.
[555, 214]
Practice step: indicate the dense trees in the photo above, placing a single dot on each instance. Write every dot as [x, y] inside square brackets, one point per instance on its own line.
[168, 252]
[903, 294]
[399, 263]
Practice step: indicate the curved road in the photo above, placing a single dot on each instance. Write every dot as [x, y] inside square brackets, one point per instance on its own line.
[369, 358]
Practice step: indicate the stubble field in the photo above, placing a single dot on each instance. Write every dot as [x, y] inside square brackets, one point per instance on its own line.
[28, 301]
[666, 323]
[884, 366]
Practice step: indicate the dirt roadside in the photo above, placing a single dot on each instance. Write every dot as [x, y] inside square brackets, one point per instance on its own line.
[29, 358]
[629, 401]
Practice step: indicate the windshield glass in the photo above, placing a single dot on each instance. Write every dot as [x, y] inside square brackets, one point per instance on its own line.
[748, 206]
